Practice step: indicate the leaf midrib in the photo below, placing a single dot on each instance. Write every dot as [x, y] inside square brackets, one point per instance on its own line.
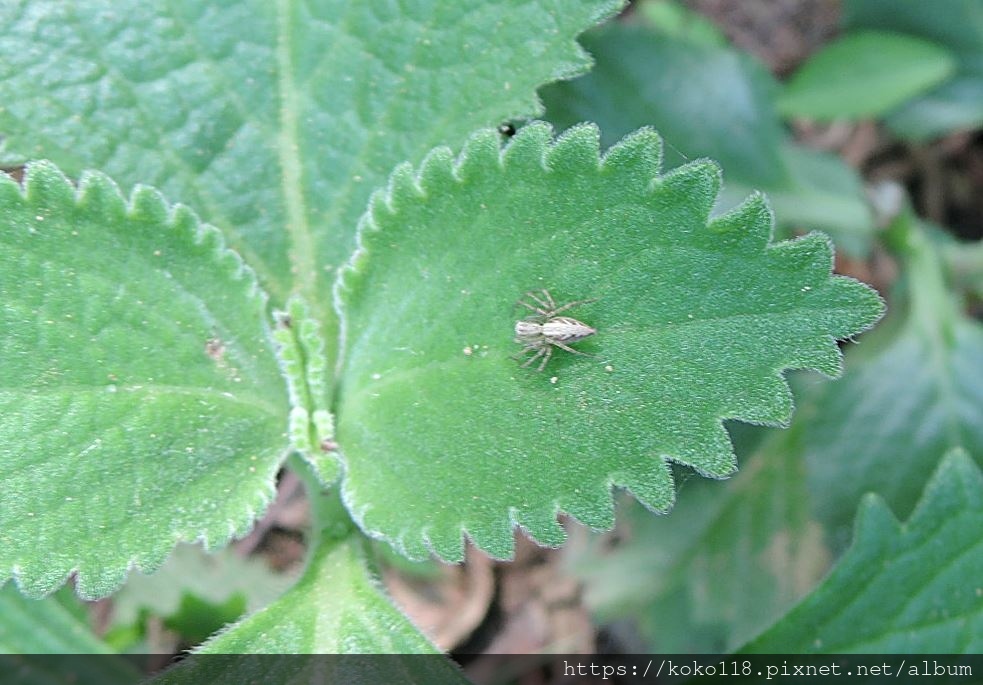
[288, 151]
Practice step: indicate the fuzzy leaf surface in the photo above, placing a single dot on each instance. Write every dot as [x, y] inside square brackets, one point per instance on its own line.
[909, 588]
[442, 432]
[338, 607]
[140, 403]
[275, 120]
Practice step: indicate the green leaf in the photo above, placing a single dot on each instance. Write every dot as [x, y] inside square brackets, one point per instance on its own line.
[959, 27]
[55, 625]
[911, 392]
[696, 322]
[958, 102]
[715, 102]
[47, 626]
[140, 403]
[727, 562]
[196, 619]
[338, 607]
[705, 100]
[300, 349]
[901, 588]
[275, 120]
[865, 74]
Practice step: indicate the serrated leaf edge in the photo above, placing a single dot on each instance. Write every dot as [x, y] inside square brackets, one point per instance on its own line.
[486, 143]
[142, 198]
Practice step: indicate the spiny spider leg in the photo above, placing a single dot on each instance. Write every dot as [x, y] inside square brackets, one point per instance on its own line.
[569, 349]
[539, 312]
[568, 305]
[548, 302]
[544, 352]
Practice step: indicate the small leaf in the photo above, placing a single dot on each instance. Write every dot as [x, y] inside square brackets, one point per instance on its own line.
[443, 433]
[956, 104]
[865, 74]
[901, 588]
[140, 404]
[338, 607]
[301, 351]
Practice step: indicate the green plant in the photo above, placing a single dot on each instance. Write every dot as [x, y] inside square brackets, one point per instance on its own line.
[159, 371]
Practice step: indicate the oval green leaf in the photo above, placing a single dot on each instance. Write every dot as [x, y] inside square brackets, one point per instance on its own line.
[140, 403]
[865, 74]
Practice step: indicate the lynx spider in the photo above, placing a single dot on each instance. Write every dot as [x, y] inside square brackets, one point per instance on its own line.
[540, 332]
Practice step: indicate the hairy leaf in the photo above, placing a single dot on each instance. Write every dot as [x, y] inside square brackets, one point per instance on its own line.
[901, 588]
[140, 403]
[275, 120]
[442, 433]
[338, 607]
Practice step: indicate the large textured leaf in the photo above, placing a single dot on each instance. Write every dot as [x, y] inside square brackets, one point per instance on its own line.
[275, 120]
[140, 403]
[443, 433]
[901, 588]
[726, 563]
[913, 391]
[338, 607]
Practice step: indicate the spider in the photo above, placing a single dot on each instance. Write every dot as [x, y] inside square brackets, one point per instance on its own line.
[544, 330]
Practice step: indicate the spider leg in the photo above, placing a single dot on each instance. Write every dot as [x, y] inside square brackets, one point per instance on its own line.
[546, 357]
[539, 353]
[545, 304]
[540, 312]
[547, 300]
[568, 305]
[570, 349]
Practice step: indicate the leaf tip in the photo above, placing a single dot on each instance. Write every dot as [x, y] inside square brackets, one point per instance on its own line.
[638, 152]
[577, 148]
